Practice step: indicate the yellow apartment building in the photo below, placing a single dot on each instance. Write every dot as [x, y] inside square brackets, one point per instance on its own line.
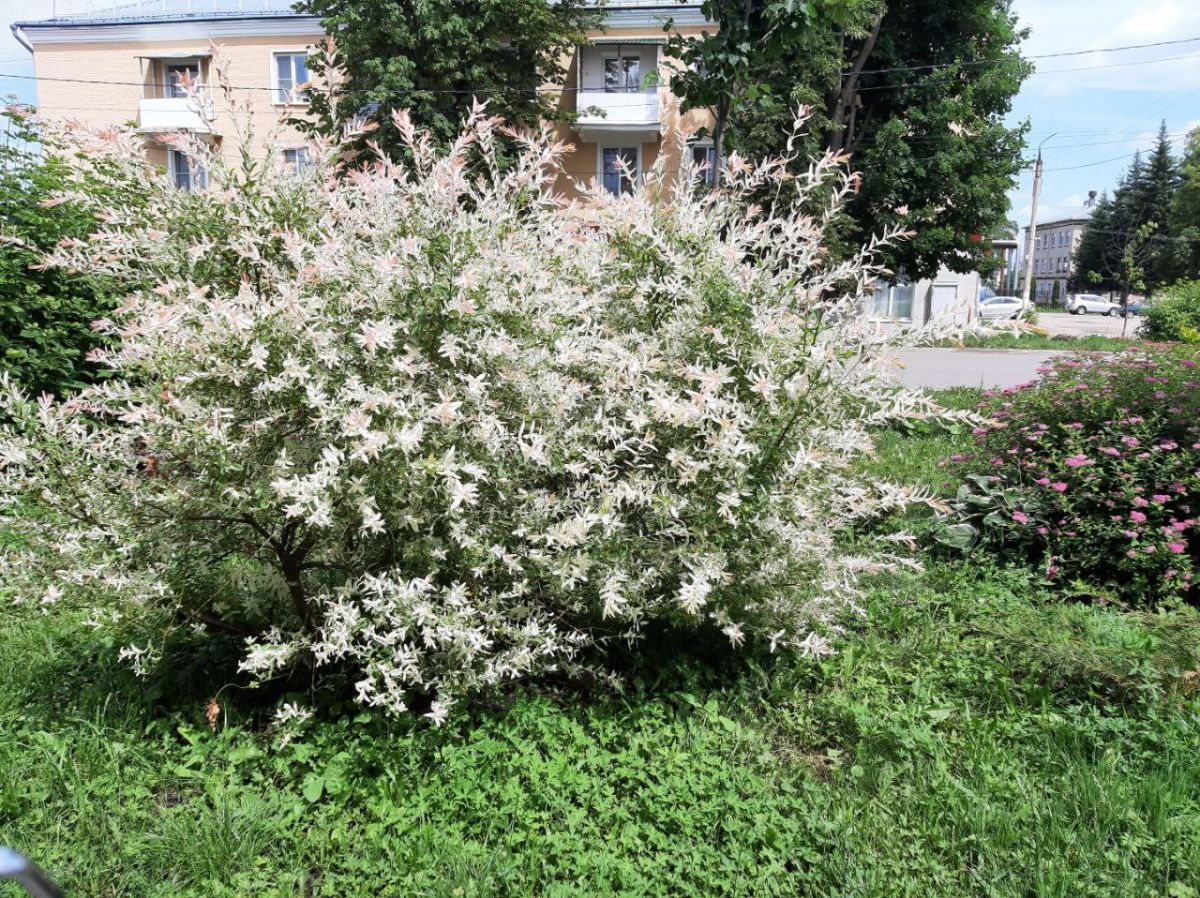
[150, 63]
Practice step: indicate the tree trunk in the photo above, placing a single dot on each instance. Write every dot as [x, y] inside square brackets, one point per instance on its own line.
[842, 101]
[720, 117]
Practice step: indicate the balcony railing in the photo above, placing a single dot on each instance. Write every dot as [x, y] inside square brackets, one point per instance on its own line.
[618, 109]
[156, 114]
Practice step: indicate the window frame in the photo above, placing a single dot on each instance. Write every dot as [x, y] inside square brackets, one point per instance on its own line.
[600, 172]
[197, 174]
[623, 71]
[710, 159]
[290, 97]
[301, 161]
[891, 305]
[168, 85]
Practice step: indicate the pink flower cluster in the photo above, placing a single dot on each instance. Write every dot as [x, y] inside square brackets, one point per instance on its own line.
[1099, 464]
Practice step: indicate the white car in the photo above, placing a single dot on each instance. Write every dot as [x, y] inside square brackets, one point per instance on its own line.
[1003, 307]
[1082, 303]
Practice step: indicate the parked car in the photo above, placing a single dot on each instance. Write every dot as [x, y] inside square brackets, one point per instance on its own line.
[1003, 307]
[1134, 307]
[1082, 303]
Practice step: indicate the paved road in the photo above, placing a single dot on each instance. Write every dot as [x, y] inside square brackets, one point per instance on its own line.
[1082, 325]
[941, 368]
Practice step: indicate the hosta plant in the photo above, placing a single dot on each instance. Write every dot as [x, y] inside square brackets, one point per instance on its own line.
[433, 425]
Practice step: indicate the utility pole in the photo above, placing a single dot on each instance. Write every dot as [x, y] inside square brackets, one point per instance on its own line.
[1031, 234]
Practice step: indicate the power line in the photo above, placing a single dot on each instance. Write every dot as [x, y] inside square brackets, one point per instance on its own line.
[1092, 68]
[1094, 164]
[569, 89]
[1101, 143]
[937, 65]
[1116, 65]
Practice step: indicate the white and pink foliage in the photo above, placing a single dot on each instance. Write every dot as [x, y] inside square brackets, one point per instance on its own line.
[429, 424]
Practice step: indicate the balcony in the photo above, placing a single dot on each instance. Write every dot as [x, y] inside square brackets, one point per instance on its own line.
[159, 114]
[176, 95]
[616, 94]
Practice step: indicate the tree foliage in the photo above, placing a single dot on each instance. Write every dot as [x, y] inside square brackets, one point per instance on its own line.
[45, 314]
[1174, 315]
[927, 132]
[1184, 216]
[1127, 246]
[434, 57]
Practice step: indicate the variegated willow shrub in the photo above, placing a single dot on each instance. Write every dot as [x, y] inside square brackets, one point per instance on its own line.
[429, 424]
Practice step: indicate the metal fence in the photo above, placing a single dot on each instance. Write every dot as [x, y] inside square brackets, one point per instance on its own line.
[142, 9]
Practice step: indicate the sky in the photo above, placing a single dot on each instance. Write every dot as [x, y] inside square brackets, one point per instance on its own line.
[15, 59]
[1102, 113]
[1104, 109]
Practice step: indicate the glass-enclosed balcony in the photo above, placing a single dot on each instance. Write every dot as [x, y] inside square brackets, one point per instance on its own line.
[174, 96]
[617, 88]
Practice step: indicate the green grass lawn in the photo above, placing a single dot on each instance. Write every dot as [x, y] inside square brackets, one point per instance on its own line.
[975, 736]
[1008, 340]
[915, 455]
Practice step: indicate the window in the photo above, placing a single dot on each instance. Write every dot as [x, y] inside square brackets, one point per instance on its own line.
[619, 168]
[295, 159]
[186, 173]
[704, 158]
[291, 72]
[178, 76]
[895, 301]
[623, 75]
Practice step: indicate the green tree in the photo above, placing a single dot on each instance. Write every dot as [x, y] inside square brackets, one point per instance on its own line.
[915, 90]
[1128, 245]
[1184, 215]
[1151, 195]
[45, 314]
[433, 57]
[1099, 247]
[733, 69]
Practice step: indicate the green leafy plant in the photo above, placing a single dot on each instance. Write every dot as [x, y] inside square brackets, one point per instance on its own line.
[1091, 472]
[434, 58]
[45, 313]
[1174, 314]
[936, 154]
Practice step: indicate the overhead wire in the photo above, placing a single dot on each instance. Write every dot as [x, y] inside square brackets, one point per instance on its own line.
[568, 89]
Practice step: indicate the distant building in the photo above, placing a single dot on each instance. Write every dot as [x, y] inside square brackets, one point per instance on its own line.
[151, 62]
[948, 295]
[1004, 281]
[1054, 255]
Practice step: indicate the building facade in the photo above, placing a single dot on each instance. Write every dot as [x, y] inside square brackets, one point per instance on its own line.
[947, 297]
[152, 64]
[1054, 249]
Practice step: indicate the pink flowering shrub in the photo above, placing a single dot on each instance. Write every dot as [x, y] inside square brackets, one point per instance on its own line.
[431, 424]
[1094, 473]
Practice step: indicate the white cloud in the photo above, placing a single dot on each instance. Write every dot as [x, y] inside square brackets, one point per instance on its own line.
[1069, 25]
